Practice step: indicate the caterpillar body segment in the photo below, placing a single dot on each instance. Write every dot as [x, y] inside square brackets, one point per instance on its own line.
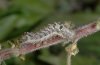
[53, 34]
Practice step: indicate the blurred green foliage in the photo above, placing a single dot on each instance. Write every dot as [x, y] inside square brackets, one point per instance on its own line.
[18, 16]
[21, 15]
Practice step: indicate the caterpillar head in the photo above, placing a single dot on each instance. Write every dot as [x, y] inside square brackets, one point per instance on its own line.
[98, 24]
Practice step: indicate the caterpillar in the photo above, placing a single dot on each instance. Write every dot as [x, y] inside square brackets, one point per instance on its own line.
[52, 35]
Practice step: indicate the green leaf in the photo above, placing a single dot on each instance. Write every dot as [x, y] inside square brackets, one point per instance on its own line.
[6, 25]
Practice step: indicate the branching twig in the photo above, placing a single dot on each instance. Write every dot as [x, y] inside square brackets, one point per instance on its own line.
[71, 50]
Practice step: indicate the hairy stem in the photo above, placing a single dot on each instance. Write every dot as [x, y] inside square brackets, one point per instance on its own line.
[87, 30]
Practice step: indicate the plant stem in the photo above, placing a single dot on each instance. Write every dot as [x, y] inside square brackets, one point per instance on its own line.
[69, 59]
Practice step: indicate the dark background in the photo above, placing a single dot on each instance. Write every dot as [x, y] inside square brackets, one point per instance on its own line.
[18, 16]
